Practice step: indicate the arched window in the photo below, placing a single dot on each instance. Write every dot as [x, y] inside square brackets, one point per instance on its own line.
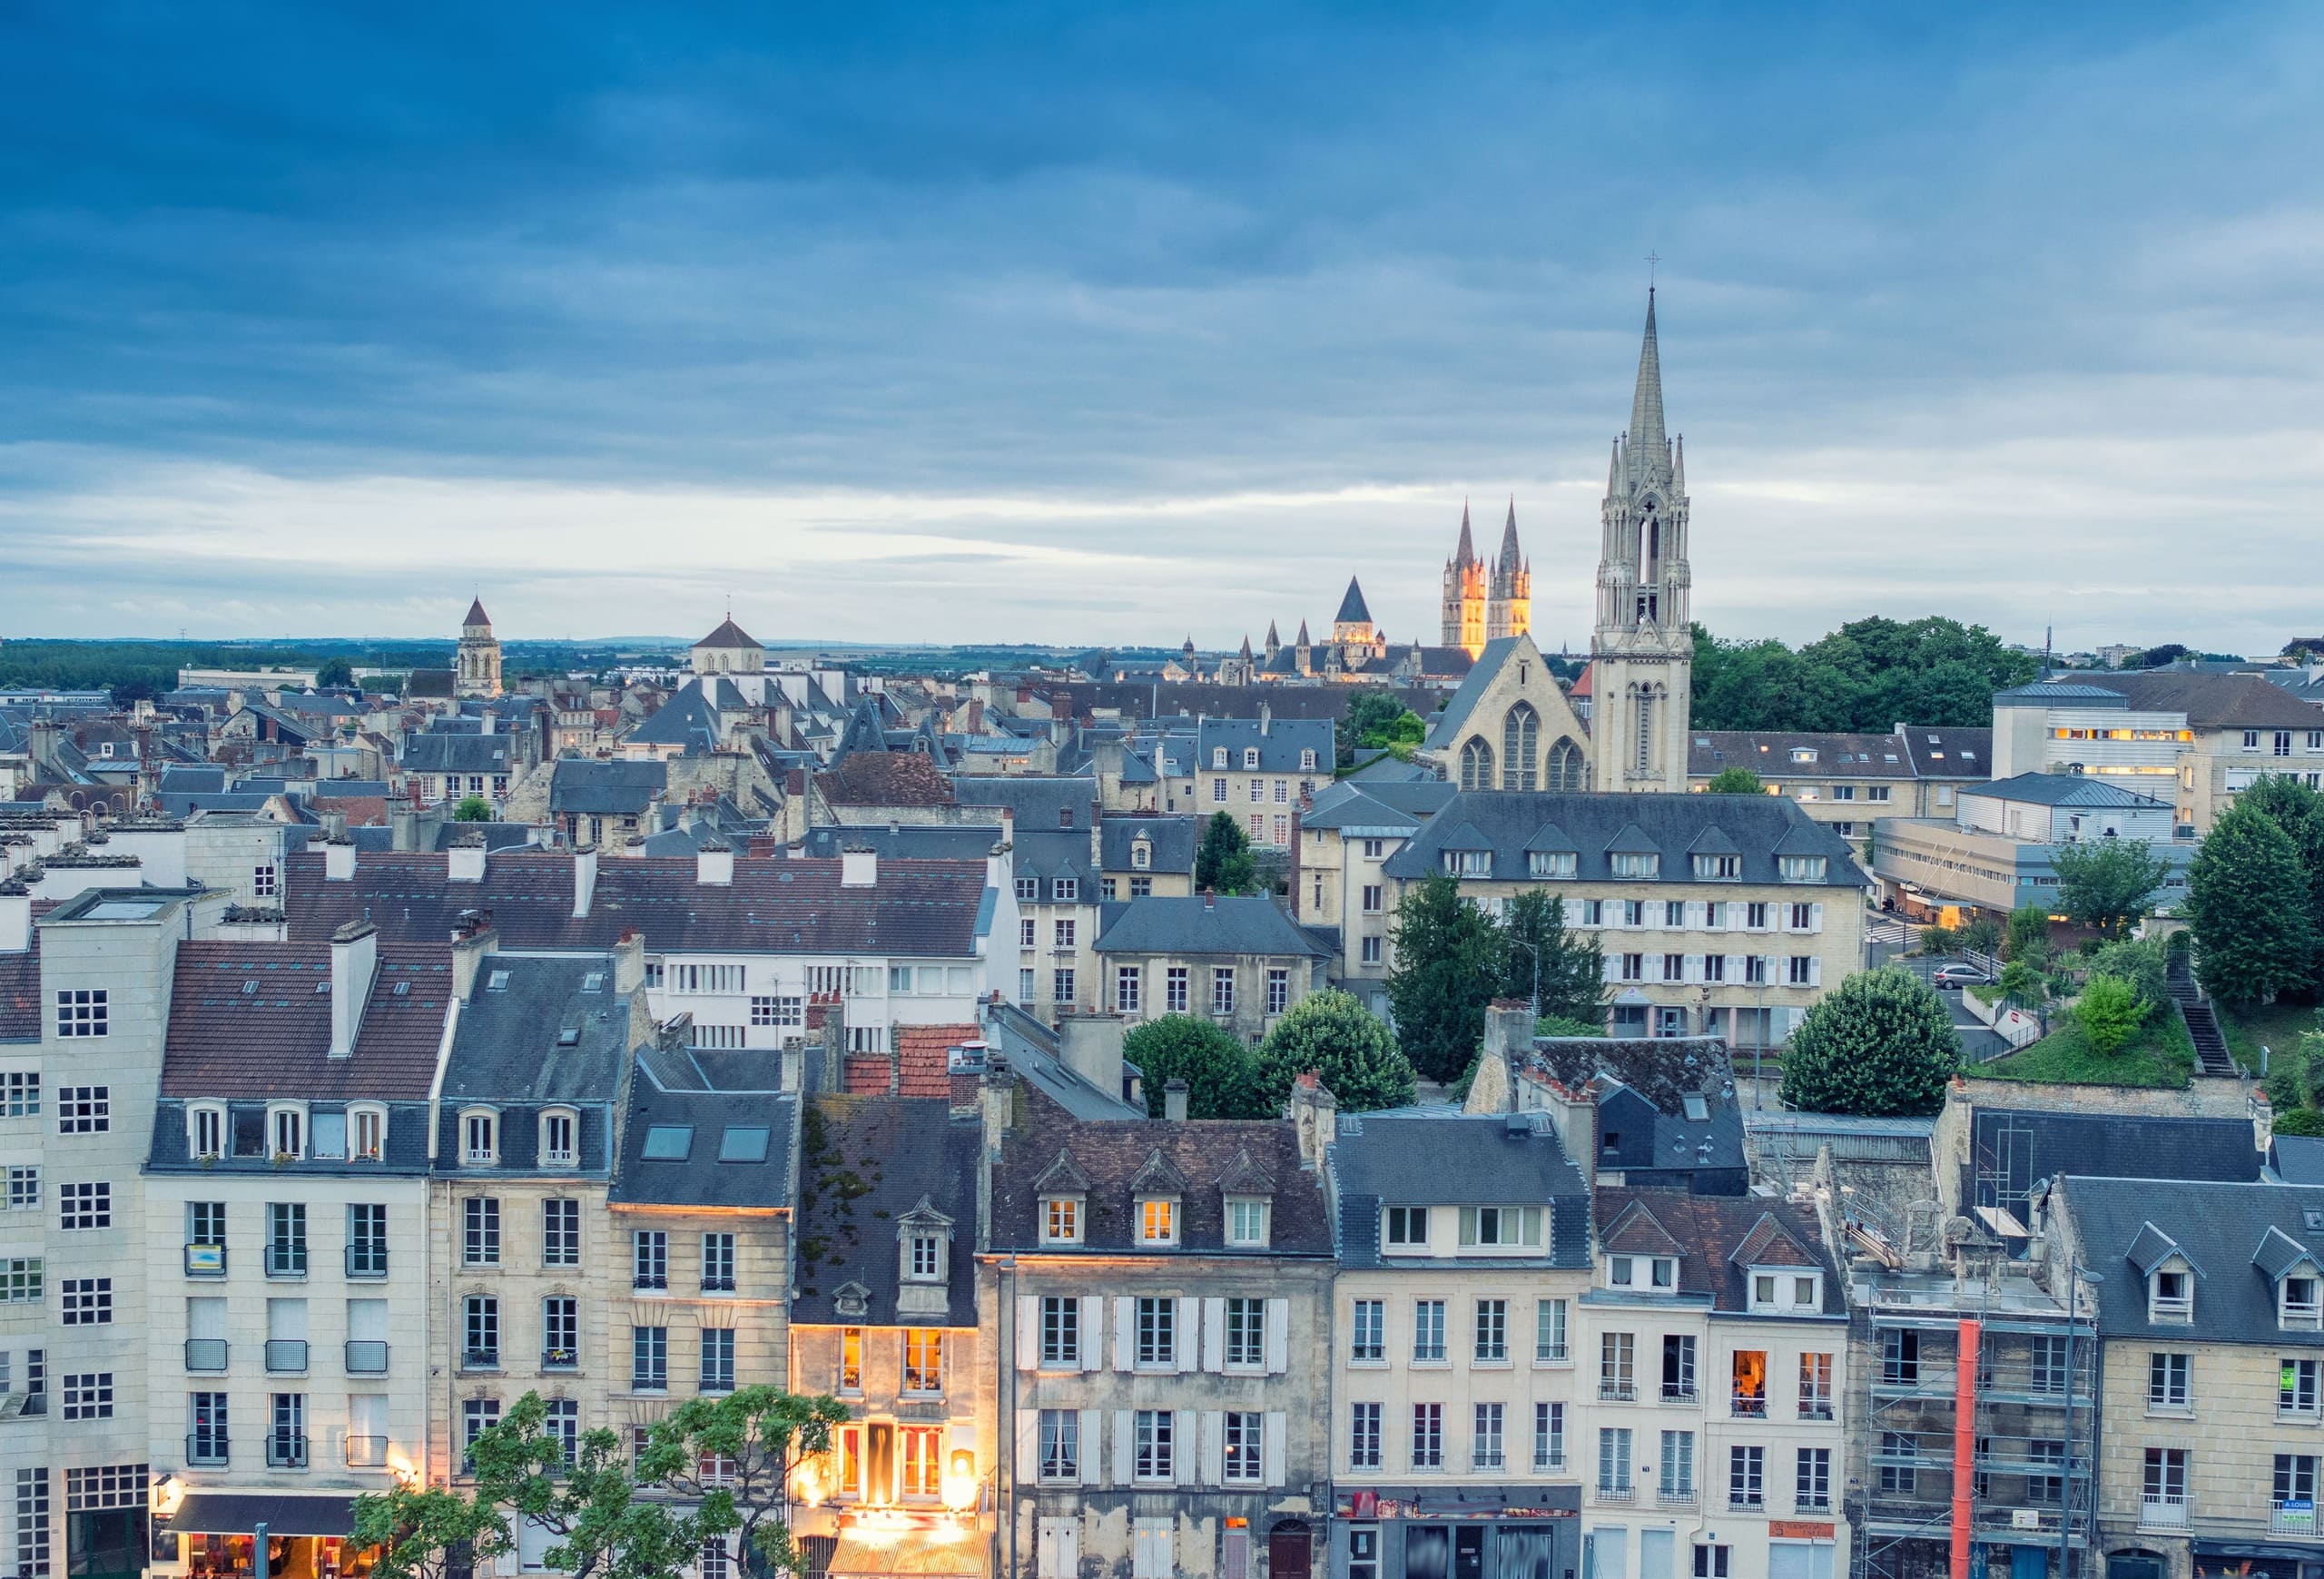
[1520, 739]
[1565, 774]
[1476, 765]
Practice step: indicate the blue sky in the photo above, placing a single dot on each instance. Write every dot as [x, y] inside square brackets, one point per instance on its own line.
[1107, 323]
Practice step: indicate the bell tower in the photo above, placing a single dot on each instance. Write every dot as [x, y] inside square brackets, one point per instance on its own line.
[1642, 645]
[477, 666]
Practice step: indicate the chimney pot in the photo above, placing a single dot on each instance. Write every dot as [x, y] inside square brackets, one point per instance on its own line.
[1174, 1100]
[584, 878]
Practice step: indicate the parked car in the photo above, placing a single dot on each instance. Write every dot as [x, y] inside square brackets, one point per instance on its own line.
[1958, 976]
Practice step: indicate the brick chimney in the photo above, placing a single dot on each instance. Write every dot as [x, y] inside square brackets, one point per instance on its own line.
[471, 942]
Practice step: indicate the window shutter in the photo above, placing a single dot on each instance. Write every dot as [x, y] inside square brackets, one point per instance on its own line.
[508, 1561]
[1029, 1446]
[1697, 916]
[1125, 1449]
[1189, 1321]
[1214, 1448]
[1739, 966]
[1182, 1436]
[1815, 918]
[1816, 970]
[1613, 966]
[1694, 968]
[1028, 1333]
[1214, 1335]
[1278, 1428]
[1093, 1332]
[1124, 1332]
[1278, 1337]
[1092, 1427]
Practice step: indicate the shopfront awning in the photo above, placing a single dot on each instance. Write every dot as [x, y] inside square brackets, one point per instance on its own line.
[216, 1513]
[911, 1552]
[2244, 1551]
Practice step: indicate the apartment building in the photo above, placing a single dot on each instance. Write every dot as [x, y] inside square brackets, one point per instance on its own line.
[1238, 960]
[1147, 856]
[1159, 1294]
[1997, 851]
[1258, 769]
[1465, 1252]
[285, 1242]
[885, 1319]
[1847, 781]
[1718, 915]
[1345, 838]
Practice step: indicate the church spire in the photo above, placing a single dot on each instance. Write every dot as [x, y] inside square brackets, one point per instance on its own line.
[1508, 555]
[1678, 466]
[1466, 554]
[1646, 404]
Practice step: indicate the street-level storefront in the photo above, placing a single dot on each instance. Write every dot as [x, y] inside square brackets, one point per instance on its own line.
[215, 1535]
[875, 1542]
[1512, 1532]
[2276, 1559]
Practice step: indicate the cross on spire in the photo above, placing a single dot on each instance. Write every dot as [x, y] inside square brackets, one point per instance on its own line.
[1651, 260]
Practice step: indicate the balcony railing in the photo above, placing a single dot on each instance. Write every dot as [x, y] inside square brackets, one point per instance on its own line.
[1613, 1493]
[1679, 1393]
[2301, 1318]
[366, 1357]
[2162, 1511]
[286, 1260]
[1617, 1392]
[1748, 1406]
[367, 1452]
[715, 1283]
[286, 1355]
[477, 1358]
[205, 1354]
[1674, 1496]
[285, 1449]
[2292, 1518]
[560, 1158]
[649, 1381]
[1809, 1503]
[1745, 1502]
[367, 1258]
[652, 1281]
[560, 1359]
[1815, 1407]
[206, 1447]
[1549, 1462]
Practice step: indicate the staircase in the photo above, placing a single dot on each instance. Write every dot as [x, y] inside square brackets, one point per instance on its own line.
[2203, 1025]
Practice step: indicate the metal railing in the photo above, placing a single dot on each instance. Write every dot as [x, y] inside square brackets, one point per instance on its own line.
[1605, 1493]
[1679, 1393]
[367, 1452]
[205, 1260]
[206, 1447]
[286, 1259]
[1748, 1406]
[2162, 1511]
[480, 1359]
[366, 1356]
[560, 1359]
[286, 1355]
[367, 1258]
[1617, 1392]
[285, 1449]
[1675, 1496]
[205, 1354]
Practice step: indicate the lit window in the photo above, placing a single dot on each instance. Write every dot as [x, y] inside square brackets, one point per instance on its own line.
[1157, 1221]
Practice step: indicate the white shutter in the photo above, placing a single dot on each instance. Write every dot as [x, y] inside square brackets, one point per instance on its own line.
[1815, 970]
[1029, 1446]
[1125, 1448]
[1693, 968]
[1029, 1332]
[1093, 1332]
[1613, 966]
[1124, 1332]
[506, 1561]
[1739, 967]
[1214, 1335]
[1698, 917]
[1278, 1337]
[1183, 1431]
[1092, 1428]
[1815, 918]
[1190, 1323]
[1278, 1428]
[1214, 1448]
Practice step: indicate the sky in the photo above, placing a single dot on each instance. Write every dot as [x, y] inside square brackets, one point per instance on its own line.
[1115, 324]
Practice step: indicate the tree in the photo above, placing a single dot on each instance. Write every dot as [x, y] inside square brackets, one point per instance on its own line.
[1217, 1068]
[2298, 1122]
[2157, 657]
[2108, 884]
[1223, 862]
[1371, 708]
[2026, 936]
[1880, 1045]
[1351, 1047]
[1735, 781]
[585, 1499]
[1449, 962]
[1980, 935]
[334, 672]
[1864, 676]
[1561, 972]
[2247, 903]
[2299, 811]
[472, 809]
[732, 1456]
[2108, 1011]
[2139, 965]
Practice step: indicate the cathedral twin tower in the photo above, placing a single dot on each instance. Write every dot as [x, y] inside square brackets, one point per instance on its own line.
[1482, 603]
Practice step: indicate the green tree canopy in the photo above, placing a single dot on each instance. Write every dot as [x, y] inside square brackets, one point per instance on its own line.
[2299, 811]
[2026, 936]
[1370, 710]
[1880, 1044]
[1222, 862]
[2139, 965]
[1562, 972]
[1866, 676]
[2107, 884]
[1735, 781]
[1450, 960]
[472, 809]
[2108, 1011]
[333, 672]
[2247, 903]
[732, 1456]
[1351, 1047]
[1218, 1069]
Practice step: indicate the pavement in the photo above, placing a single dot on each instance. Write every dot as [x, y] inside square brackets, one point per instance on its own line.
[1979, 1042]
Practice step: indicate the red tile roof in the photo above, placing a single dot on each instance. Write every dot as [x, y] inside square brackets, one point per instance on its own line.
[869, 1075]
[923, 1064]
[884, 778]
[360, 811]
[247, 1019]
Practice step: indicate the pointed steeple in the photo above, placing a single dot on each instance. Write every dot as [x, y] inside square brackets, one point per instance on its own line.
[1273, 640]
[1352, 608]
[477, 615]
[1646, 404]
[1302, 634]
[1614, 471]
[1679, 465]
[1509, 553]
[1246, 648]
[1466, 554]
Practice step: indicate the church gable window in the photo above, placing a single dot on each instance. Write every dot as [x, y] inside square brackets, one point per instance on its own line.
[1520, 736]
[1476, 765]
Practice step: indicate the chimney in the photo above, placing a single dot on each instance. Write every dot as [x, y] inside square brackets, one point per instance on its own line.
[464, 862]
[354, 960]
[1267, 718]
[339, 859]
[483, 722]
[629, 962]
[858, 867]
[403, 827]
[714, 864]
[584, 878]
[15, 917]
[1174, 1100]
[1097, 834]
[473, 941]
[995, 1100]
[1090, 1044]
[1209, 899]
[1315, 1116]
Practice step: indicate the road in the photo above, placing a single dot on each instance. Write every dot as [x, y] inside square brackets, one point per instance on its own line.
[1979, 1042]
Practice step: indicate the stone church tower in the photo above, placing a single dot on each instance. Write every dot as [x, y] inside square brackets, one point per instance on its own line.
[476, 669]
[1484, 602]
[1641, 647]
[1509, 609]
[1464, 594]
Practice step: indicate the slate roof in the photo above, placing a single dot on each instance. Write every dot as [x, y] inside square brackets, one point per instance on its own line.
[2211, 701]
[865, 1163]
[2235, 1298]
[1401, 1157]
[905, 841]
[512, 1044]
[1509, 820]
[1946, 753]
[698, 1178]
[1448, 723]
[253, 1020]
[1227, 924]
[1719, 1238]
[20, 994]
[685, 720]
[1839, 757]
[884, 778]
[774, 905]
[1400, 805]
[1170, 841]
[2297, 1158]
[1039, 805]
[1645, 1127]
[1278, 748]
[444, 753]
[2016, 1149]
[728, 635]
[599, 789]
[1352, 608]
[2066, 789]
[1110, 1154]
[1049, 855]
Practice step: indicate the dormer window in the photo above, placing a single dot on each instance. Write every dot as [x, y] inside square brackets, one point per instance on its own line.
[2171, 1293]
[286, 1131]
[1306, 759]
[1246, 1222]
[924, 1258]
[1469, 863]
[1141, 856]
[1643, 1274]
[1801, 868]
[1158, 1220]
[560, 1139]
[1061, 1219]
[480, 1138]
[206, 1131]
[1501, 1228]
[1250, 757]
[1781, 1293]
[1219, 756]
[1552, 864]
[1407, 1229]
[1638, 867]
[2299, 1303]
[1719, 868]
[367, 1133]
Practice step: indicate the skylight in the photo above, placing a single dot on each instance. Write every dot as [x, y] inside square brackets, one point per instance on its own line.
[497, 983]
[668, 1142]
[743, 1143]
[593, 981]
[1698, 1109]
